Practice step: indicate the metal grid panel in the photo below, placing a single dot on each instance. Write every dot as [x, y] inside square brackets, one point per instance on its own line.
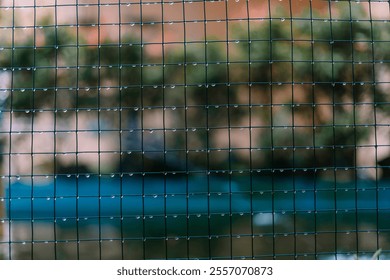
[194, 129]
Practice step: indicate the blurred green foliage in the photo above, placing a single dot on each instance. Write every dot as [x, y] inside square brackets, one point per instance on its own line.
[295, 83]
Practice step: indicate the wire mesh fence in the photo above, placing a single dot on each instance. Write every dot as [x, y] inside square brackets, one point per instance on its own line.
[194, 129]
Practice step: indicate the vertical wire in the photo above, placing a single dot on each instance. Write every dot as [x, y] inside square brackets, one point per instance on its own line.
[314, 128]
[186, 124]
[270, 68]
[55, 127]
[164, 128]
[229, 129]
[293, 129]
[120, 129]
[333, 125]
[10, 225]
[77, 128]
[32, 126]
[144, 239]
[375, 96]
[207, 131]
[3, 219]
[99, 127]
[354, 102]
[206, 79]
[250, 127]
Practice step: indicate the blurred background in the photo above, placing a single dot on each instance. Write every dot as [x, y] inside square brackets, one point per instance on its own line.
[194, 129]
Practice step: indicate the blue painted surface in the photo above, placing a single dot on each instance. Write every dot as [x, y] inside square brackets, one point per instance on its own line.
[93, 197]
[137, 196]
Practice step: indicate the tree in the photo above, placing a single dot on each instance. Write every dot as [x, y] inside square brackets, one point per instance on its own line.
[289, 93]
